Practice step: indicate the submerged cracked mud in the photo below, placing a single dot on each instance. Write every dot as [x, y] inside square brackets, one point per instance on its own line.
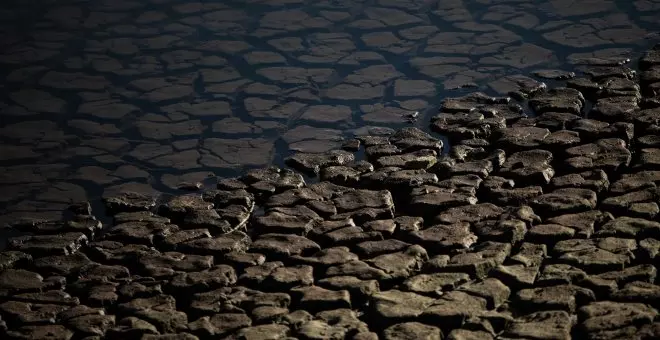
[533, 213]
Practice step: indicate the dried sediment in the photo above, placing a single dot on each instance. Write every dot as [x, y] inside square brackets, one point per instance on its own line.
[544, 226]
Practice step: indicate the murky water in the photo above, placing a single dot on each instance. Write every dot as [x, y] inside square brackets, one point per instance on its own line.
[109, 95]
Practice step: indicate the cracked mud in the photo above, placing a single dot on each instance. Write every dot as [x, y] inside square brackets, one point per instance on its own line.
[203, 173]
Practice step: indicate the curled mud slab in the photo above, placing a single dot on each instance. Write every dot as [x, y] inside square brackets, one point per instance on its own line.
[536, 218]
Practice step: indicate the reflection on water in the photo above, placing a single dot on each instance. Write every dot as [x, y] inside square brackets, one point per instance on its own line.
[101, 96]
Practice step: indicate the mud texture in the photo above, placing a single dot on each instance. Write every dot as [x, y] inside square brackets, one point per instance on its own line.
[542, 226]
[98, 97]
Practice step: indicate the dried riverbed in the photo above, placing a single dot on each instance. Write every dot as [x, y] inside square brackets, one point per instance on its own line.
[520, 201]
[540, 227]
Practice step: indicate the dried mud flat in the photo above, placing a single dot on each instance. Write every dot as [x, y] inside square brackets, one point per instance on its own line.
[543, 227]
[535, 216]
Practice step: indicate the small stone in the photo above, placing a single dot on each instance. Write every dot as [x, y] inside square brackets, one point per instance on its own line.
[140, 232]
[493, 290]
[521, 138]
[217, 246]
[370, 249]
[296, 318]
[134, 290]
[262, 332]
[559, 274]
[606, 315]
[95, 271]
[285, 278]
[394, 305]
[565, 298]
[401, 264]
[464, 334]
[412, 331]
[129, 201]
[591, 130]
[316, 299]
[595, 255]
[360, 199]
[470, 214]
[630, 227]
[650, 248]
[583, 223]
[352, 145]
[632, 203]
[91, 324]
[48, 245]
[187, 283]
[206, 219]
[616, 109]
[641, 273]
[276, 222]
[359, 290]
[224, 198]
[635, 182]
[641, 292]
[436, 283]
[158, 310]
[558, 100]
[9, 259]
[439, 201]
[18, 280]
[565, 201]
[547, 325]
[284, 245]
[422, 159]
[596, 180]
[219, 324]
[412, 138]
[529, 167]
[293, 197]
[132, 327]
[609, 155]
[55, 332]
[345, 318]
[549, 234]
[88, 225]
[358, 269]
[511, 230]
[317, 329]
[313, 162]
[385, 227]
[268, 314]
[327, 257]
[349, 236]
[171, 241]
[554, 74]
[170, 336]
[476, 261]
[67, 265]
[441, 238]
[454, 307]
[139, 216]
[22, 313]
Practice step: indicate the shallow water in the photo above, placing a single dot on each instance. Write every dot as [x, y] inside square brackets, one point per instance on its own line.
[103, 96]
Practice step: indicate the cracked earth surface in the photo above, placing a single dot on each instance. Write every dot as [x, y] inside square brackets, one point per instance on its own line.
[198, 171]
